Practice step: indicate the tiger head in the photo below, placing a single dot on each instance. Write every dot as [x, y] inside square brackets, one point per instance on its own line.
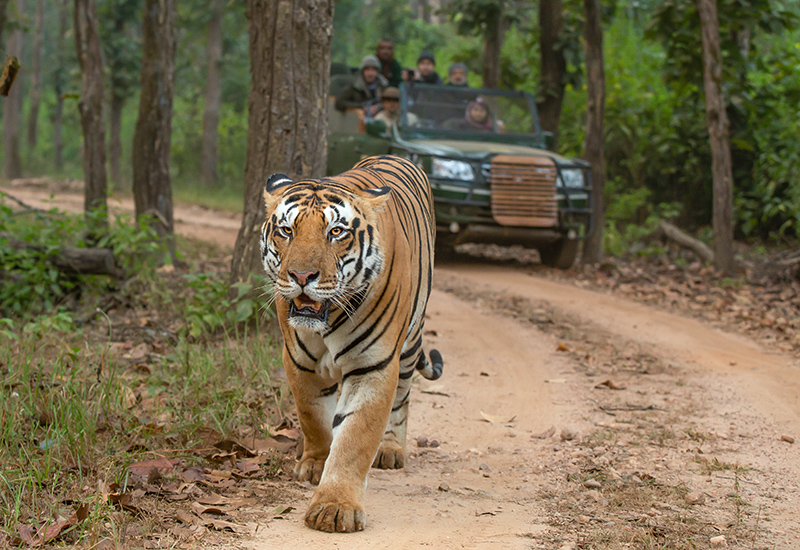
[320, 245]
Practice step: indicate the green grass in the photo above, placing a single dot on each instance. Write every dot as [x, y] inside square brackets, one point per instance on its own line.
[73, 417]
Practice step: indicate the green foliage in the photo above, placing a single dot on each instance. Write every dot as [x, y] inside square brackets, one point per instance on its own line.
[216, 305]
[31, 285]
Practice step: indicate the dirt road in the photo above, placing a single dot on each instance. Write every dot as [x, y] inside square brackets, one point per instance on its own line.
[571, 419]
[696, 457]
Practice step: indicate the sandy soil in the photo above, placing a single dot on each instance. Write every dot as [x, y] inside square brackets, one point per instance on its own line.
[571, 419]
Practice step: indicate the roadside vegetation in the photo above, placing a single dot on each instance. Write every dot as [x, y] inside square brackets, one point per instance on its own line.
[122, 395]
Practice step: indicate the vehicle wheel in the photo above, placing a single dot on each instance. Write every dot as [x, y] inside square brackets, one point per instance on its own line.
[560, 254]
[445, 246]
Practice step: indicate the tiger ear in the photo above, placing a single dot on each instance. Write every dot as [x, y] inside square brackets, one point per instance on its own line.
[378, 196]
[274, 182]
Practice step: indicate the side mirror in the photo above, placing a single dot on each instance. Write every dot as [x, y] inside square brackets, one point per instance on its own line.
[376, 128]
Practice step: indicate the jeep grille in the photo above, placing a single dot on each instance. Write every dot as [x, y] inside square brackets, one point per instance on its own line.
[524, 191]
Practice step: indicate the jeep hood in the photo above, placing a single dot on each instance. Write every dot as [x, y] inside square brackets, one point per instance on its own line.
[477, 149]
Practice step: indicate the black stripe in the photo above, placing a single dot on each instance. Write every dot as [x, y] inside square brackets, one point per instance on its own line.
[372, 368]
[304, 348]
[329, 391]
[294, 361]
[339, 418]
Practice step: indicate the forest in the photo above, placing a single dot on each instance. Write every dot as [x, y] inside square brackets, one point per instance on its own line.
[657, 153]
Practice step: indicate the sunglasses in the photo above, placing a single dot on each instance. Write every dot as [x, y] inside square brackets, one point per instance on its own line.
[390, 99]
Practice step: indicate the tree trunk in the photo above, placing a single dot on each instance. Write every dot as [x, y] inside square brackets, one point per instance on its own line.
[213, 95]
[492, 45]
[12, 106]
[593, 150]
[59, 78]
[87, 41]
[115, 139]
[3, 7]
[290, 48]
[152, 191]
[717, 124]
[36, 77]
[553, 66]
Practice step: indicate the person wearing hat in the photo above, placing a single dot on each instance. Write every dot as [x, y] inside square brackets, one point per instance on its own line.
[426, 69]
[390, 100]
[365, 91]
[457, 75]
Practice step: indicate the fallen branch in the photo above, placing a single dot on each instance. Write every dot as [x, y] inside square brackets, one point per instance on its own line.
[81, 261]
[22, 204]
[701, 249]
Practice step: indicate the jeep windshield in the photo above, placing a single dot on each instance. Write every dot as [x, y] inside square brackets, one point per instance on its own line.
[474, 114]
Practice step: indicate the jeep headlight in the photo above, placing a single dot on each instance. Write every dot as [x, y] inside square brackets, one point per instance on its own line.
[570, 177]
[452, 169]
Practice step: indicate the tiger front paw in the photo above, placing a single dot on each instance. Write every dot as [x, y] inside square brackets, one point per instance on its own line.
[335, 517]
[391, 456]
[309, 469]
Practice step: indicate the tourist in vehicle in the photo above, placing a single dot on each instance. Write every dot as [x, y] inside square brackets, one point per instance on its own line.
[426, 69]
[477, 116]
[457, 75]
[390, 115]
[391, 69]
[365, 91]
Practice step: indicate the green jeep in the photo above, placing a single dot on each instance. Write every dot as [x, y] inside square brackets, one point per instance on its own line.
[493, 183]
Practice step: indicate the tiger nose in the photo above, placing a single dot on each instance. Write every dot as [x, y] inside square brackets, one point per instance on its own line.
[304, 277]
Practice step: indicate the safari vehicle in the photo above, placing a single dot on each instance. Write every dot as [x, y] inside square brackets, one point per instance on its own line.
[494, 184]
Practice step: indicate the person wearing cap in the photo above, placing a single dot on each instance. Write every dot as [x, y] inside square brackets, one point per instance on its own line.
[365, 91]
[426, 69]
[477, 117]
[457, 75]
[390, 100]
[391, 69]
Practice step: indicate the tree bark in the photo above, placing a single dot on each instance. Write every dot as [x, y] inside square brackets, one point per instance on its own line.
[115, 139]
[492, 46]
[87, 42]
[59, 79]
[553, 66]
[290, 48]
[213, 95]
[152, 191]
[36, 77]
[594, 150]
[12, 106]
[3, 8]
[717, 124]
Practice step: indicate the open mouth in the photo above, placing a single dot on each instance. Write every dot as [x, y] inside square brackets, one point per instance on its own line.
[305, 306]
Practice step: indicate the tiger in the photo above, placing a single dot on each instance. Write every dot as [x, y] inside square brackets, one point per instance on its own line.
[350, 258]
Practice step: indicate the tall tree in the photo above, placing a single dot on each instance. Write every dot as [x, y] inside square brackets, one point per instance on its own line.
[553, 65]
[593, 150]
[152, 190]
[36, 76]
[59, 83]
[3, 12]
[121, 46]
[213, 94]
[87, 40]
[290, 45]
[12, 106]
[488, 19]
[717, 124]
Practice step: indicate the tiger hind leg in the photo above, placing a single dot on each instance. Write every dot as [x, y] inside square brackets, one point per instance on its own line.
[392, 451]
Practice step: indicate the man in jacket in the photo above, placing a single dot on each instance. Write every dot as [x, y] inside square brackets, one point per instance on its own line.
[390, 67]
[365, 91]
